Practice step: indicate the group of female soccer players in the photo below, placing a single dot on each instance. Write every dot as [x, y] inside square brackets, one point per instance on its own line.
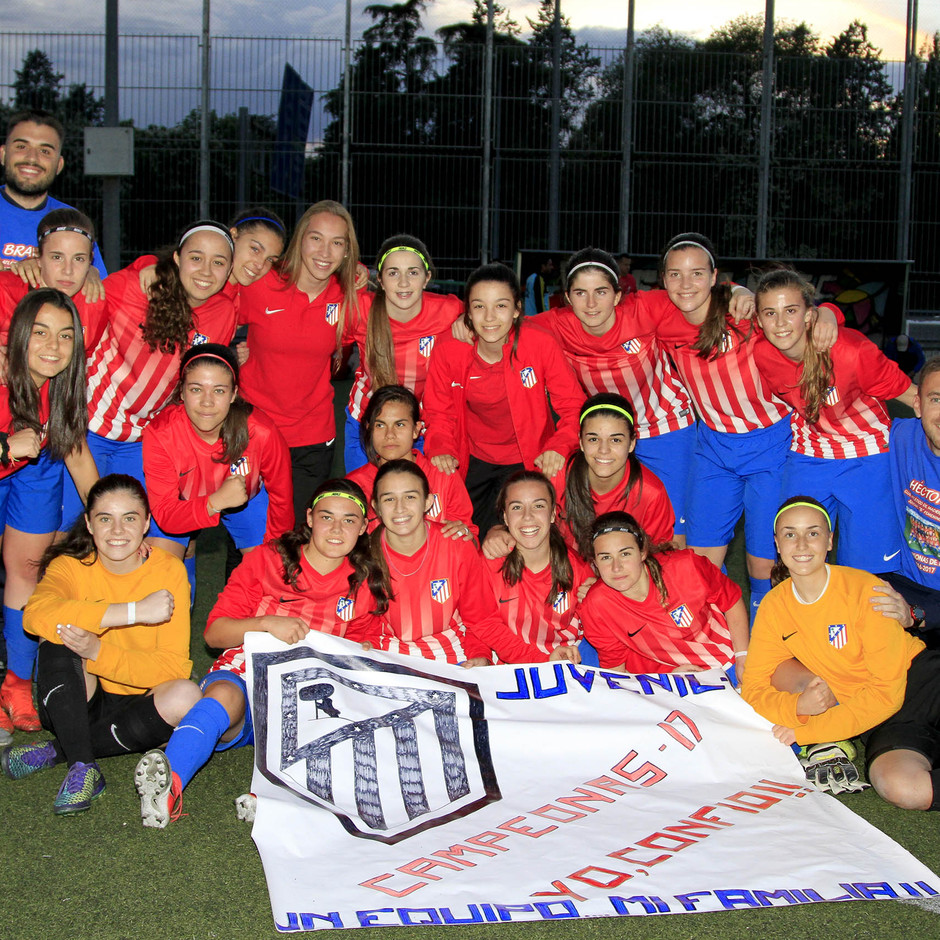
[518, 489]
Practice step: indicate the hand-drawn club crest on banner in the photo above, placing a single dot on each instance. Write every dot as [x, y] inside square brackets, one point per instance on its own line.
[390, 750]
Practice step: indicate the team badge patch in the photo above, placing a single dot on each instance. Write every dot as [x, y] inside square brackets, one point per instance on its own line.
[560, 604]
[425, 345]
[682, 616]
[632, 346]
[435, 509]
[727, 342]
[838, 634]
[332, 314]
[239, 468]
[345, 608]
[832, 396]
[390, 751]
[199, 339]
[528, 377]
[440, 590]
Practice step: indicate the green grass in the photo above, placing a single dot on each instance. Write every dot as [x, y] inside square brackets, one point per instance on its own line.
[102, 875]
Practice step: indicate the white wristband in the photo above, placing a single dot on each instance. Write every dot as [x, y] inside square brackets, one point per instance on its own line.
[740, 653]
[131, 612]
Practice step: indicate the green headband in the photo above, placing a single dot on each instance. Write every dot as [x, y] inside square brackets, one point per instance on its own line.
[808, 506]
[617, 408]
[415, 251]
[355, 499]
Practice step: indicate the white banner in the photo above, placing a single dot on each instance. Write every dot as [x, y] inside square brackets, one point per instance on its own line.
[393, 790]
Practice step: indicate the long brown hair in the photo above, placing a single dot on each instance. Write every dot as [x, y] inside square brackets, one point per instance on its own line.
[513, 566]
[380, 349]
[579, 507]
[818, 374]
[624, 522]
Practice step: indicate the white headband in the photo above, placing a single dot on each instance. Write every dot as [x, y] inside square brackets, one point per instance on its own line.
[594, 264]
[687, 244]
[208, 227]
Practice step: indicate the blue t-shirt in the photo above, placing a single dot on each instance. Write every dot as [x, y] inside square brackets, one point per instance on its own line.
[18, 230]
[915, 488]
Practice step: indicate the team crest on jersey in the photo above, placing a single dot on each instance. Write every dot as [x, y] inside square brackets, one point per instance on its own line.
[435, 509]
[529, 379]
[425, 345]
[682, 616]
[832, 395]
[240, 468]
[838, 634]
[345, 608]
[560, 604]
[440, 590]
[199, 339]
[332, 314]
[632, 346]
[727, 342]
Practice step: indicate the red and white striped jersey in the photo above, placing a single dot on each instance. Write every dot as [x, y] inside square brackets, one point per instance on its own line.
[442, 607]
[256, 588]
[627, 360]
[853, 420]
[727, 390]
[646, 637]
[450, 500]
[128, 383]
[412, 341]
[524, 609]
[182, 471]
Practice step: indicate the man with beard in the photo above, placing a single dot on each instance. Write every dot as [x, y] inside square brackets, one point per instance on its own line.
[32, 159]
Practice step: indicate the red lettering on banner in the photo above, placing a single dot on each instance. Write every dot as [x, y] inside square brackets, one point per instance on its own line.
[525, 830]
[491, 842]
[423, 866]
[374, 883]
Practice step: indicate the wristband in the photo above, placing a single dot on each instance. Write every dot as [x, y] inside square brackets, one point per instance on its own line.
[740, 653]
[131, 613]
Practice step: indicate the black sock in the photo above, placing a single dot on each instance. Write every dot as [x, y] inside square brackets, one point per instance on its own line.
[63, 709]
[136, 728]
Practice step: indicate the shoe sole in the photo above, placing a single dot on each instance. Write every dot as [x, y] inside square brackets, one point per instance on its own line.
[153, 780]
[75, 810]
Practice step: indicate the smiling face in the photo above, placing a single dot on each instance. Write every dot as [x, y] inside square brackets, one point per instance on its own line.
[593, 300]
[689, 278]
[335, 526]
[256, 249]
[394, 432]
[803, 539]
[927, 408]
[529, 513]
[204, 261]
[403, 278]
[118, 522]
[51, 343]
[492, 311]
[606, 442]
[64, 260]
[324, 245]
[620, 564]
[401, 502]
[207, 394]
[32, 158]
[784, 316]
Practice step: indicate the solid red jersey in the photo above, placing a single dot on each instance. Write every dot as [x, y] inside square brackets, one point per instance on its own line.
[412, 342]
[183, 471]
[442, 607]
[648, 503]
[6, 423]
[627, 360]
[450, 500]
[128, 382]
[13, 290]
[256, 588]
[647, 637]
[727, 390]
[853, 420]
[291, 341]
[534, 372]
[525, 609]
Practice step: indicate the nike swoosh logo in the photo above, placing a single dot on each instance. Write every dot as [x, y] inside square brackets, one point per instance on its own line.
[45, 701]
[889, 557]
[506, 600]
[472, 377]
[184, 472]
[117, 739]
[268, 311]
[680, 345]
[787, 637]
[287, 600]
[455, 385]
[635, 632]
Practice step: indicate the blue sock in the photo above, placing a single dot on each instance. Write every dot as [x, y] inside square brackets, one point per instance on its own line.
[759, 587]
[190, 565]
[195, 738]
[21, 649]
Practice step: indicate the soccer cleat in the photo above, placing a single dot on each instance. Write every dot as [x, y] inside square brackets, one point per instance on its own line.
[6, 728]
[161, 800]
[16, 699]
[21, 760]
[83, 784]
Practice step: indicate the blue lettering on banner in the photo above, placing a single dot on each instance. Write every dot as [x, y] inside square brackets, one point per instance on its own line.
[529, 682]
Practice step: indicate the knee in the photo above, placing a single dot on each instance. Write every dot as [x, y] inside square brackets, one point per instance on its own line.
[904, 790]
[759, 567]
[174, 698]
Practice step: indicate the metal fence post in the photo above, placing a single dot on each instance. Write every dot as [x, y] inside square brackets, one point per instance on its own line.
[486, 178]
[111, 185]
[626, 135]
[204, 123]
[554, 173]
[766, 117]
[347, 98]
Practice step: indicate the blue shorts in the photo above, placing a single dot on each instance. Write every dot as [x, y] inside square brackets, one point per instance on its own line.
[30, 498]
[354, 456]
[246, 525]
[854, 494]
[247, 734]
[669, 456]
[732, 473]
